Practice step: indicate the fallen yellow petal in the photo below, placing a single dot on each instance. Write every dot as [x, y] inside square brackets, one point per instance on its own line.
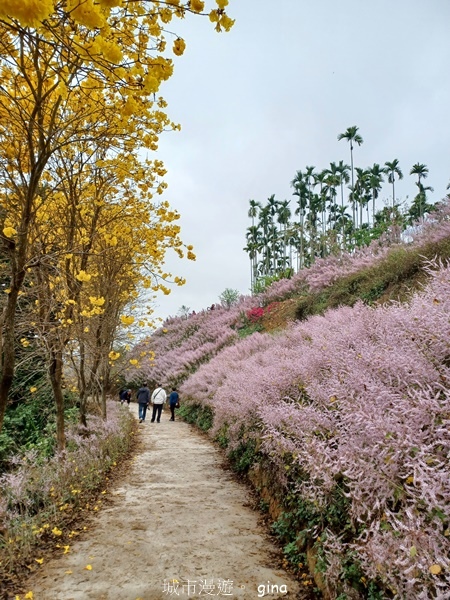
[435, 569]
[39, 560]
[88, 567]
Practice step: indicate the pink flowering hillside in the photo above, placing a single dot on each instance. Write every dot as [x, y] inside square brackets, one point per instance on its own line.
[181, 345]
[349, 413]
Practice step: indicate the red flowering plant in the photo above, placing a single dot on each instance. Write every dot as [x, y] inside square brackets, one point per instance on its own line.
[254, 315]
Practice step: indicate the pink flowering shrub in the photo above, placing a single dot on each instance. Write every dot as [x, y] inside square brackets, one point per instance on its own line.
[358, 400]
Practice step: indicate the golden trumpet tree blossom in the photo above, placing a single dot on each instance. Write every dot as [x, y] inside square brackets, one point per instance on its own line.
[79, 98]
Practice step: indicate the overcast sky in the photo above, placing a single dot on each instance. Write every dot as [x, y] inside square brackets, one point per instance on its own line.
[271, 96]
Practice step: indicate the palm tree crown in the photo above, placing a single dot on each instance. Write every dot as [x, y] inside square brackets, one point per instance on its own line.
[351, 135]
[420, 170]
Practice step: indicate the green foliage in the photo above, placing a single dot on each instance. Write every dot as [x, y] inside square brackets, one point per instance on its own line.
[249, 329]
[199, 415]
[229, 297]
[30, 423]
[302, 519]
[353, 575]
[222, 437]
[243, 457]
[292, 553]
[262, 283]
[50, 491]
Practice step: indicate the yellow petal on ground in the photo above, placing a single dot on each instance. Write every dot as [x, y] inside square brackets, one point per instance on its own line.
[29, 596]
[39, 560]
[435, 569]
[66, 549]
[88, 567]
[69, 572]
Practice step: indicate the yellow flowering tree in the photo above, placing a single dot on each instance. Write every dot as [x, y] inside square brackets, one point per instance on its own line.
[88, 263]
[66, 67]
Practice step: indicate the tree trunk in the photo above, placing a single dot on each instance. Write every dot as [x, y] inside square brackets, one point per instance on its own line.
[56, 381]
[105, 387]
[82, 385]
[8, 355]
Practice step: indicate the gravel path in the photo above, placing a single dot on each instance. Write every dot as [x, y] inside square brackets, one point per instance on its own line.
[176, 526]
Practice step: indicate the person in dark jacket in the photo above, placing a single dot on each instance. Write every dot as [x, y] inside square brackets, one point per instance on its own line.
[174, 402]
[125, 396]
[143, 398]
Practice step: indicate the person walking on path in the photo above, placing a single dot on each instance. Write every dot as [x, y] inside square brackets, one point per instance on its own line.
[159, 396]
[174, 402]
[143, 398]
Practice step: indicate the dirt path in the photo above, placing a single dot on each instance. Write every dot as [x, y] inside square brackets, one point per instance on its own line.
[176, 515]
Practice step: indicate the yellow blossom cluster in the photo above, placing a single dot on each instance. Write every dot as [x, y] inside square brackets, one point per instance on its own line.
[127, 319]
[179, 46]
[83, 276]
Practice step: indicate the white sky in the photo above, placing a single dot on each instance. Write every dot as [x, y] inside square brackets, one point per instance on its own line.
[270, 97]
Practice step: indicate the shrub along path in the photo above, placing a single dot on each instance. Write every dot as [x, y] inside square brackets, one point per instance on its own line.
[175, 515]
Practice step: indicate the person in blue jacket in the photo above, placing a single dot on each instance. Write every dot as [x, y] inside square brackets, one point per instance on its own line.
[174, 402]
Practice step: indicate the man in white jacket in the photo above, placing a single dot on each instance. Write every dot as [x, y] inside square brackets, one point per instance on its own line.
[158, 398]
